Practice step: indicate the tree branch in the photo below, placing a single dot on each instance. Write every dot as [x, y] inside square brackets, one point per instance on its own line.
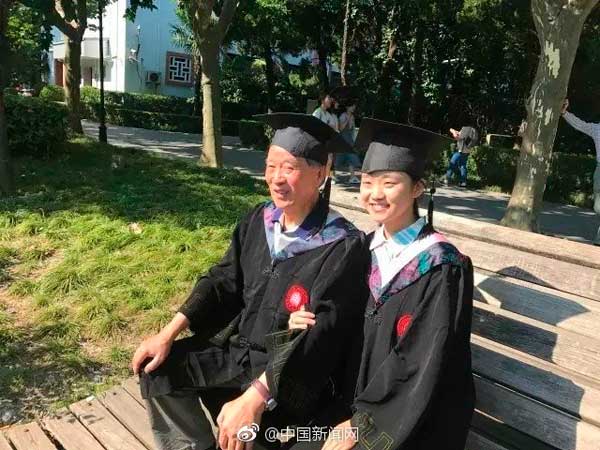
[227, 13]
[53, 15]
[82, 15]
[201, 13]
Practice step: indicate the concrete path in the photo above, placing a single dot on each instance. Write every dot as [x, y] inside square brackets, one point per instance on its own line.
[565, 221]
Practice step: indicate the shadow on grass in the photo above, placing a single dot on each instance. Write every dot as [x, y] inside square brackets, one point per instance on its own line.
[85, 285]
[42, 368]
[133, 186]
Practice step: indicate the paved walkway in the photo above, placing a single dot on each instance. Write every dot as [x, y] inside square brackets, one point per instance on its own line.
[565, 221]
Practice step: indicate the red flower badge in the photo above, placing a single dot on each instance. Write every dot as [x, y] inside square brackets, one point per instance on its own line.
[403, 324]
[295, 298]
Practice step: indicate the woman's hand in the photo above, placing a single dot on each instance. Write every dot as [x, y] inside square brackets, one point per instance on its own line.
[301, 320]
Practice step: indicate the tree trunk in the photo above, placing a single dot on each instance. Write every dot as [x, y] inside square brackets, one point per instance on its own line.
[197, 86]
[345, 45]
[270, 75]
[323, 76]
[382, 107]
[212, 151]
[6, 176]
[559, 28]
[416, 91]
[72, 82]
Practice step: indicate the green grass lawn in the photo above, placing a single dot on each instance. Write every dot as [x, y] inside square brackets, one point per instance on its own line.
[99, 248]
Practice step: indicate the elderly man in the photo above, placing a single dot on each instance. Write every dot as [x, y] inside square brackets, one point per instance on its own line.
[290, 252]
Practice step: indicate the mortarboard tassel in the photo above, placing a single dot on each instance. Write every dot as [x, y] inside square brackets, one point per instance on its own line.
[430, 206]
[326, 193]
[327, 190]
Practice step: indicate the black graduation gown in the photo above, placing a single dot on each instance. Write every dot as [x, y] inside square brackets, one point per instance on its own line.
[237, 312]
[415, 386]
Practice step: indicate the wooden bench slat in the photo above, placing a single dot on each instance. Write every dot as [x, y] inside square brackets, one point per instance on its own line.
[130, 413]
[536, 378]
[564, 310]
[105, 428]
[29, 437]
[581, 254]
[503, 435]
[70, 433]
[562, 347]
[537, 244]
[132, 386]
[476, 441]
[552, 273]
[534, 418]
[4, 445]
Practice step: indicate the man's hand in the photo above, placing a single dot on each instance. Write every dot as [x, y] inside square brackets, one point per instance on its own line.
[158, 346]
[244, 410]
[343, 439]
[565, 106]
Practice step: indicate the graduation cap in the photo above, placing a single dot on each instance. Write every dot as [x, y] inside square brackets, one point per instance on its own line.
[304, 136]
[307, 137]
[393, 146]
[402, 148]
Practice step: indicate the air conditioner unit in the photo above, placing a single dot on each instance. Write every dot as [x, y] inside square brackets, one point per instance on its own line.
[152, 77]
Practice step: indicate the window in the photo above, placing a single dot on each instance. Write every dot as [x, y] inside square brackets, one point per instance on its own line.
[179, 69]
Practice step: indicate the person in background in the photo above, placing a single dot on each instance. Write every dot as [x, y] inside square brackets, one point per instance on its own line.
[324, 112]
[347, 130]
[465, 139]
[593, 131]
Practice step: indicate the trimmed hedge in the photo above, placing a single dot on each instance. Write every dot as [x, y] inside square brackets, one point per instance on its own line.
[139, 102]
[35, 125]
[253, 134]
[53, 93]
[10, 91]
[570, 179]
[162, 103]
[153, 120]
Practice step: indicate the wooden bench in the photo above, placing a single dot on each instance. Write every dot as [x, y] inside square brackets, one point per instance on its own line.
[536, 344]
[536, 352]
[500, 140]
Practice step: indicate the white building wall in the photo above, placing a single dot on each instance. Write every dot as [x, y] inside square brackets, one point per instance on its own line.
[125, 71]
[152, 29]
[150, 38]
[114, 59]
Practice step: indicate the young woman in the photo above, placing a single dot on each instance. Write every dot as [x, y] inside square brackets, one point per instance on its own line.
[414, 387]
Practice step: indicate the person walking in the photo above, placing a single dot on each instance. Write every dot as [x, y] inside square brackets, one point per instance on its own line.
[465, 139]
[593, 131]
